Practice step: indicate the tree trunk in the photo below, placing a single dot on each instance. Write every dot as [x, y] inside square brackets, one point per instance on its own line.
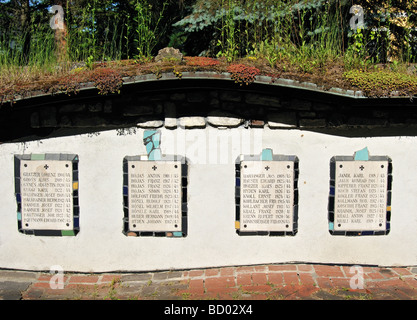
[24, 14]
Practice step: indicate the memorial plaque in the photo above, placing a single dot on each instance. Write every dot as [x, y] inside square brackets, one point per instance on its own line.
[154, 196]
[360, 196]
[47, 194]
[267, 196]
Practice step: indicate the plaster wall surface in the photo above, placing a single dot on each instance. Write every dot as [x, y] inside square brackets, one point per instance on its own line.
[100, 246]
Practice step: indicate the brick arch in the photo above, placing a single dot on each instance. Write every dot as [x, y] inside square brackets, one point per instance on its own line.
[208, 99]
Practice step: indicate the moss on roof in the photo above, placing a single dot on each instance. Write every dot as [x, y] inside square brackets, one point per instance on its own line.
[107, 77]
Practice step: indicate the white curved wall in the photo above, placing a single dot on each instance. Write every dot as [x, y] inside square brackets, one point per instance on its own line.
[211, 241]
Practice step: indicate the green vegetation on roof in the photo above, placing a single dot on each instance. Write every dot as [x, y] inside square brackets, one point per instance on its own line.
[306, 40]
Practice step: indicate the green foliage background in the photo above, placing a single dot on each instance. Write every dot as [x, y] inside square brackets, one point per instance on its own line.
[276, 30]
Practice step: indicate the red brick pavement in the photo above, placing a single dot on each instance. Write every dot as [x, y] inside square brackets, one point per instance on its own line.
[264, 282]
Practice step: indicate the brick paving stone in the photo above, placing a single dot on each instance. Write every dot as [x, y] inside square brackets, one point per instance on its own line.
[325, 295]
[132, 289]
[289, 292]
[260, 268]
[12, 290]
[195, 273]
[387, 273]
[41, 285]
[305, 268]
[227, 271]
[244, 279]
[109, 278]
[412, 282]
[282, 267]
[79, 286]
[402, 271]
[196, 286]
[212, 272]
[306, 279]
[136, 277]
[374, 275]
[347, 270]
[304, 292]
[256, 288]
[275, 279]
[290, 278]
[83, 279]
[174, 275]
[324, 282]
[245, 269]
[272, 282]
[393, 282]
[259, 278]
[32, 294]
[328, 271]
[167, 275]
[341, 282]
[216, 283]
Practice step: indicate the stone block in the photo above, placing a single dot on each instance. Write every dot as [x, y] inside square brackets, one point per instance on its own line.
[158, 108]
[192, 122]
[259, 99]
[95, 107]
[138, 110]
[224, 119]
[282, 119]
[196, 96]
[319, 106]
[170, 112]
[65, 121]
[230, 106]
[214, 103]
[47, 116]
[359, 121]
[73, 107]
[151, 124]
[107, 108]
[34, 120]
[231, 96]
[178, 96]
[85, 121]
[257, 123]
[317, 123]
[171, 123]
[11, 290]
[307, 114]
[299, 104]
[169, 54]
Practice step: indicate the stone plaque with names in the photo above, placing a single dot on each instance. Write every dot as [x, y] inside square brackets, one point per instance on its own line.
[360, 195]
[267, 195]
[46, 191]
[154, 196]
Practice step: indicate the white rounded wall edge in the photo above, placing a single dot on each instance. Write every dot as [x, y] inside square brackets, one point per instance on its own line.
[211, 240]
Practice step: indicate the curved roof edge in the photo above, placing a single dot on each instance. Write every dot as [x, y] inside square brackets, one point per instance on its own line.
[212, 75]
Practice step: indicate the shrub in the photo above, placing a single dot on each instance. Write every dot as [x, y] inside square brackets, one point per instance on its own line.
[382, 83]
[243, 74]
[106, 80]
